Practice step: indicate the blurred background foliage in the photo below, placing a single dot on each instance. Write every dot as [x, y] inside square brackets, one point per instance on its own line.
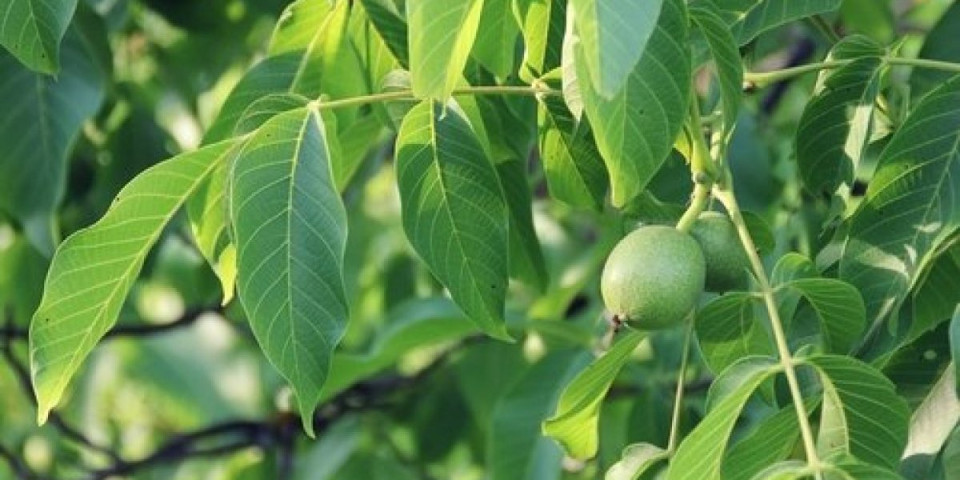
[434, 399]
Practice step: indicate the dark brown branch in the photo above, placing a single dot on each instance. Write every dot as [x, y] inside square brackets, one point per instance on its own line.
[189, 317]
[58, 422]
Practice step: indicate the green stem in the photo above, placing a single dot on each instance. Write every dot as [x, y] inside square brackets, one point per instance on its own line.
[407, 95]
[773, 76]
[678, 397]
[786, 358]
[923, 63]
[702, 168]
[766, 78]
[698, 202]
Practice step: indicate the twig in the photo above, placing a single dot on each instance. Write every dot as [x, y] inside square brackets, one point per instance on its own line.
[189, 317]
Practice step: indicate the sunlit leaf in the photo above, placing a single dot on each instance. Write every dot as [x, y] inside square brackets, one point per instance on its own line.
[637, 459]
[442, 33]
[910, 206]
[94, 269]
[542, 23]
[42, 118]
[726, 57]
[728, 329]
[613, 36]
[516, 448]
[574, 424]
[749, 18]
[496, 42]
[839, 308]
[635, 126]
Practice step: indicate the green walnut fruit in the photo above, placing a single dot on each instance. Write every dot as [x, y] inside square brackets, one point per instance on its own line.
[727, 262]
[653, 277]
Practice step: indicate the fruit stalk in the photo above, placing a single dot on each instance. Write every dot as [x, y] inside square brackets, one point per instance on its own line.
[786, 358]
[678, 397]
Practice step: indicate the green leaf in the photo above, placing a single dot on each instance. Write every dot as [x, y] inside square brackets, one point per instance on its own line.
[785, 470]
[516, 449]
[391, 26]
[496, 42]
[726, 55]
[861, 413]
[273, 75]
[413, 325]
[937, 294]
[573, 167]
[542, 23]
[939, 44]
[839, 308]
[574, 424]
[637, 459]
[728, 330]
[93, 270]
[32, 29]
[700, 456]
[750, 18]
[316, 30]
[931, 425]
[910, 205]
[265, 108]
[852, 469]
[613, 36]
[442, 34]
[43, 116]
[526, 256]
[955, 341]
[453, 209]
[290, 229]
[635, 127]
[773, 439]
[836, 124]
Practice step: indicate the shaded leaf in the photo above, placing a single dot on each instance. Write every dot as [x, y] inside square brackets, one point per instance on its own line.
[574, 170]
[839, 308]
[773, 439]
[861, 413]
[939, 44]
[700, 456]
[32, 29]
[453, 210]
[836, 124]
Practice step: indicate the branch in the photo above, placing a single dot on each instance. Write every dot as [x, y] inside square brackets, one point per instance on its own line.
[58, 422]
[9, 332]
